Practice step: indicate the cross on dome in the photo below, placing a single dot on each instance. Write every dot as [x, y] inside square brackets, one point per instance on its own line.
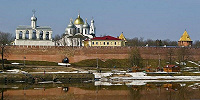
[33, 12]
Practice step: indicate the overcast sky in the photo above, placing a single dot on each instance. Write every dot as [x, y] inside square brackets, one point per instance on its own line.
[150, 19]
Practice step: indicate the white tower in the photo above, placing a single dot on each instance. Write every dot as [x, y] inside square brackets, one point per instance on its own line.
[33, 20]
[86, 28]
[70, 30]
[92, 28]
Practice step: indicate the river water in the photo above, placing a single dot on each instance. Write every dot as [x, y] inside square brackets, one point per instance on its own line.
[101, 91]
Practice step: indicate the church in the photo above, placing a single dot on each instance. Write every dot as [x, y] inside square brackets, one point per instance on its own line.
[34, 35]
[76, 32]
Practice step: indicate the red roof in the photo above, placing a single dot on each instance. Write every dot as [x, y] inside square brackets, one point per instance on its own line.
[105, 38]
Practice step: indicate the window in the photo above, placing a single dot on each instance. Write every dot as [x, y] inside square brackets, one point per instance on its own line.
[92, 43]
[20, 35]
[115, 43]
[27, 35]
[47, 36]
[96, 43]
[104, 43]
[78, 30]
[34, 34]
[41, 35]
[107, 43]
[71, 31]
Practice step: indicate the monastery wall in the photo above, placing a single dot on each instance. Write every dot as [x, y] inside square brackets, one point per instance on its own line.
[76, 54]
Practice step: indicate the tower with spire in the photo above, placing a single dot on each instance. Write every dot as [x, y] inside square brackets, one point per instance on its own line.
[185, 40]
[92, 27]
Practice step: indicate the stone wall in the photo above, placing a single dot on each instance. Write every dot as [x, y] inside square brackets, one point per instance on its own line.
[75, 54]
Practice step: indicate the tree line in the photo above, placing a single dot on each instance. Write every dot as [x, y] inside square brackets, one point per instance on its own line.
[149, 42]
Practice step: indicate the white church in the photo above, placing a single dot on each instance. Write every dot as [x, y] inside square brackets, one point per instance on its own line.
[76, 32]
[34, 35]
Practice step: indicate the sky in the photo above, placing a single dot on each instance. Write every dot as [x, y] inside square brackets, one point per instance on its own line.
[149, 19]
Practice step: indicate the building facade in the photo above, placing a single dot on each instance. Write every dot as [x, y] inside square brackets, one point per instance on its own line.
[104, 41]
[185, 40]
[76, 32]
[33, 34]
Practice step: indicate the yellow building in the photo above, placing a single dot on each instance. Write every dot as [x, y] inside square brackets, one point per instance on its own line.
[104, 41]
[185, 40]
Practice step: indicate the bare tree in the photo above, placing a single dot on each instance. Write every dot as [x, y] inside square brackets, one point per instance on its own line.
[170, 55]
[6, 38]
[57, 37]
[183, 54]
[196, 44]
[135, 58]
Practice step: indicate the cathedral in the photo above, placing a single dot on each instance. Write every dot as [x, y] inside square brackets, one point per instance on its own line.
[34, 35]
[76, 32]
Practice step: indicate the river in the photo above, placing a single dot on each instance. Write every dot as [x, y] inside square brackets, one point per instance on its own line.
[102, 91]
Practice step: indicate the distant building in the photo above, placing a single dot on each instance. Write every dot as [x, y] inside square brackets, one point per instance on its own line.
[185, 40]
[122, 37]
[33, 34]
[104, 41]
[171, 68]
[77, 32]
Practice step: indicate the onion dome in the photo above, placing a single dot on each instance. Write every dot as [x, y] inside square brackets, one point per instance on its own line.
[71, 25]
[92, 21]
[86, 25]
[78, 21]
[33, 18]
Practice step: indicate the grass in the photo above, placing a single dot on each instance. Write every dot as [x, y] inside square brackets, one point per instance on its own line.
[111, 63]
[124, 63]
[118, 63]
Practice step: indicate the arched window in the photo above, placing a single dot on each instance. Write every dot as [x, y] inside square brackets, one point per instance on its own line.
[47, 36]
[20, 35]
[71, 31]
[34, 34]
[27, 35]
[41, 35]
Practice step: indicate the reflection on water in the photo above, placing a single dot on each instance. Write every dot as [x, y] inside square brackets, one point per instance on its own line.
[90, 91]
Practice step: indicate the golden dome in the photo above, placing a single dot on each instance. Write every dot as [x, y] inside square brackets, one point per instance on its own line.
[78, 21]
[185, 37]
